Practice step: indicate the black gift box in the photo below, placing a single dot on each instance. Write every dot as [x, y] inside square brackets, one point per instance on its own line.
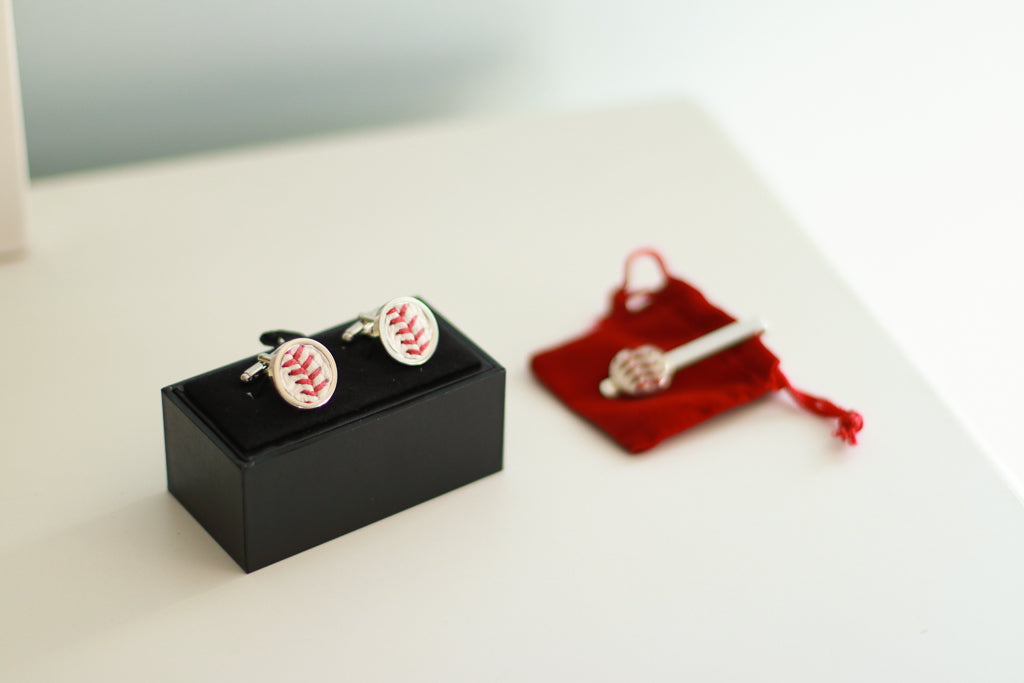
[268, 480]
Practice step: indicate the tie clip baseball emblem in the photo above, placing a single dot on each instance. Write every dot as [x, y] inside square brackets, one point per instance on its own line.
[303, 371]
[406, 327]
[648, 370]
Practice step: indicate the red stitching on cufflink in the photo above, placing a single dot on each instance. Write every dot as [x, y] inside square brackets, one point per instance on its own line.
[413, 329]
[643, 369]
[295, 358]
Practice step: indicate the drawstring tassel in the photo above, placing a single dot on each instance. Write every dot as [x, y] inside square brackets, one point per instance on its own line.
[850, 421]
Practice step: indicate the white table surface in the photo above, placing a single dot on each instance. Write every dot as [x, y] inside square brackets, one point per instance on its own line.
[755, 547]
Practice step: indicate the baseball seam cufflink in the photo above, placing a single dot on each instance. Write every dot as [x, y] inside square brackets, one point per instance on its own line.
[406, 327]
[648, 370]
[302, 369]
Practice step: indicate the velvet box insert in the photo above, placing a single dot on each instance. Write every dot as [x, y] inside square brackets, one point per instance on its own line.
[268, 480]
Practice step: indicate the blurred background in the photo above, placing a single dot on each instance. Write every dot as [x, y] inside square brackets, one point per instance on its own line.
[891, 129]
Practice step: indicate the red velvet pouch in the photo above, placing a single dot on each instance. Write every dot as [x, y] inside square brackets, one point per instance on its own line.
[673, 315]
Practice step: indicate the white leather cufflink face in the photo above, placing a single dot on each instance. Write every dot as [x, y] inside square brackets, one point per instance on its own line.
[303, 371]
[406, 327]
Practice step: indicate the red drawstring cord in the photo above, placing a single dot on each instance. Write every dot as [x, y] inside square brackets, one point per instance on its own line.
[623, 295]
[640, 253]
[850, 421]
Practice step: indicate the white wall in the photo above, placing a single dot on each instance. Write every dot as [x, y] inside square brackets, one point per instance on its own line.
[892, 129]
[13, 170]
[109, 81]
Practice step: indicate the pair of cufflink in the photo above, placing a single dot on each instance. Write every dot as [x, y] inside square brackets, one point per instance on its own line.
[304, 371]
